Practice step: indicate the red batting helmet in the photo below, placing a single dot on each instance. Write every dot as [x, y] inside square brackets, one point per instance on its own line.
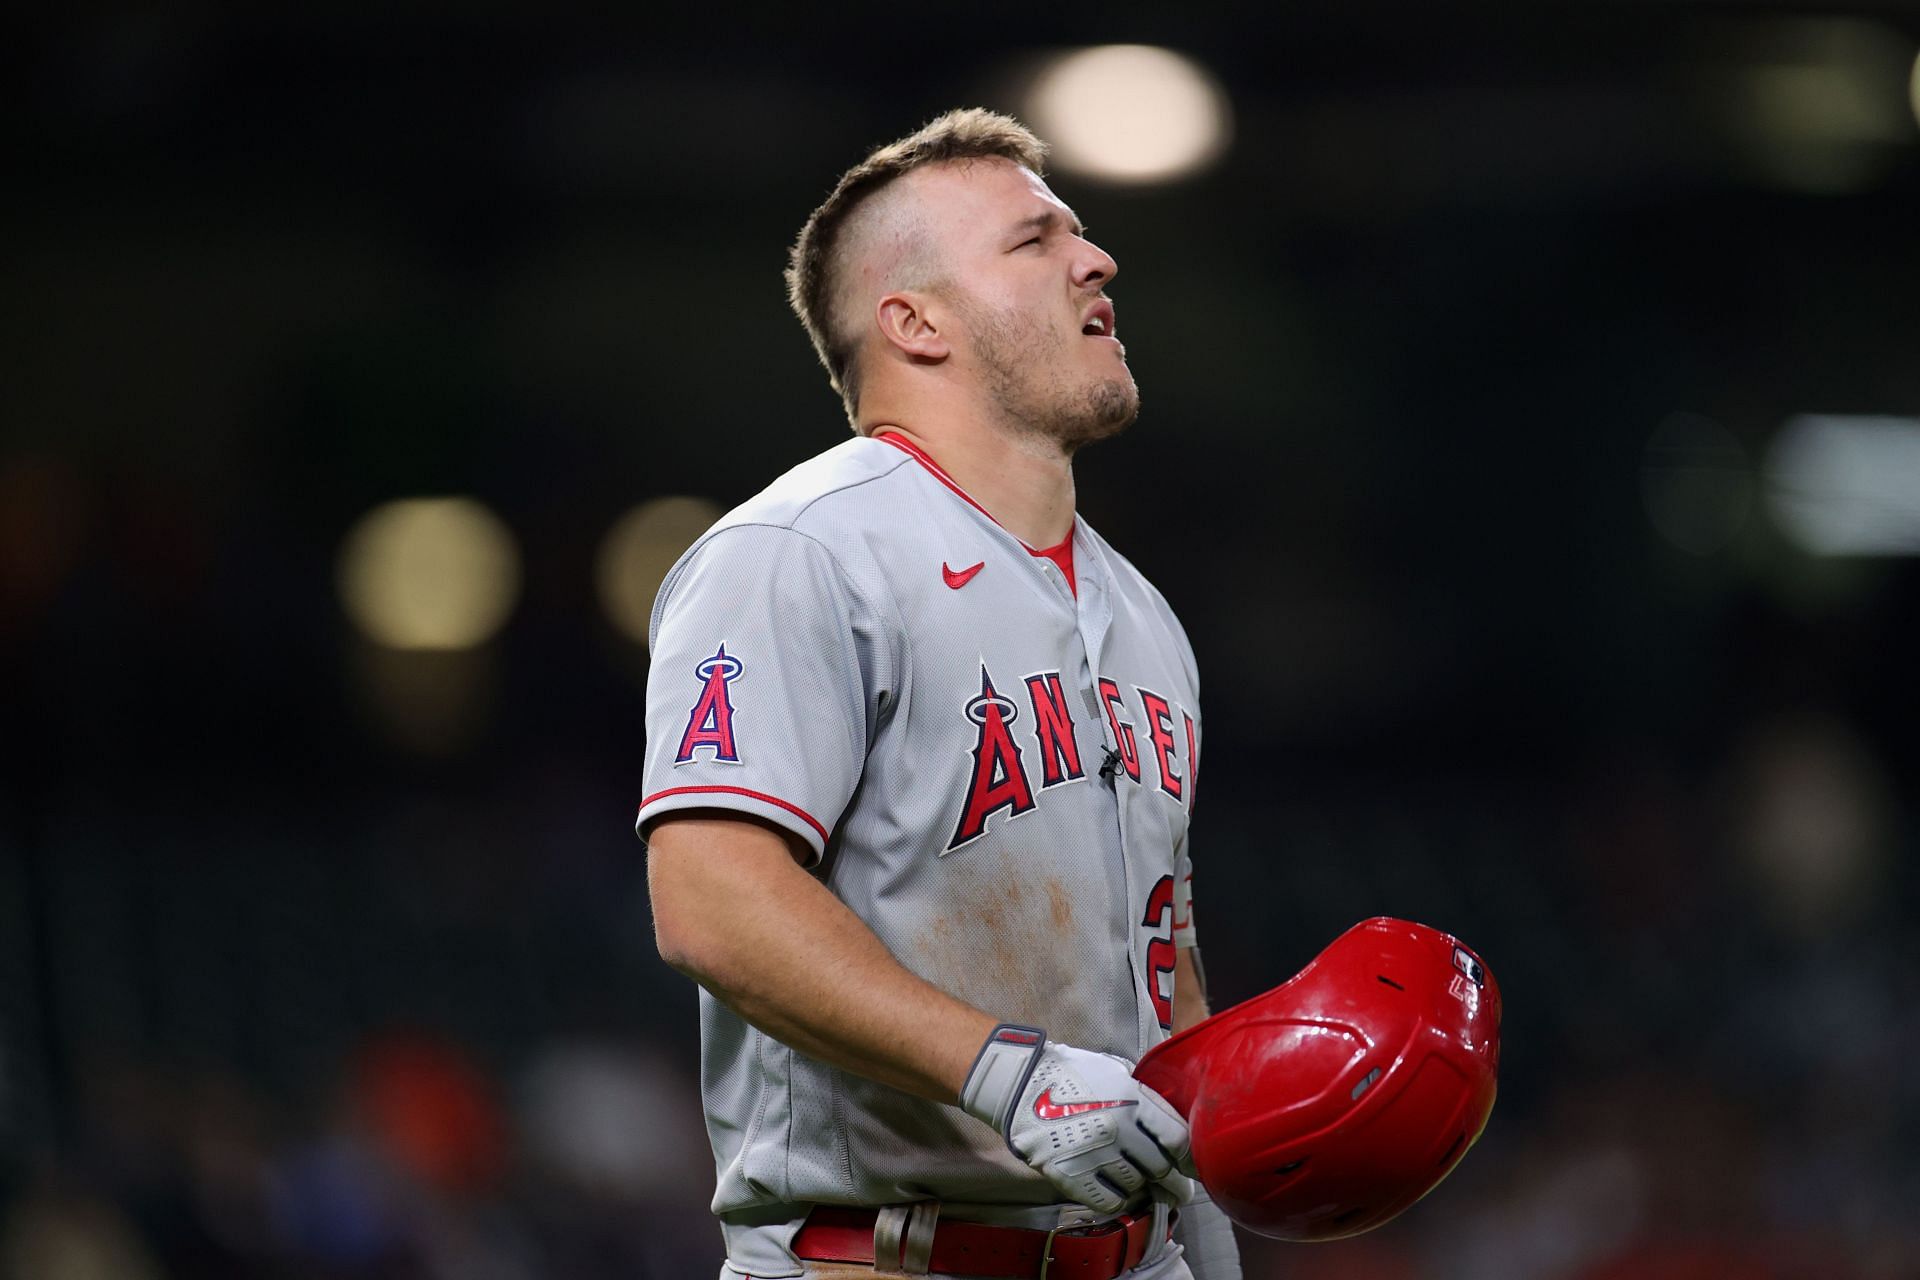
[1328, 1105]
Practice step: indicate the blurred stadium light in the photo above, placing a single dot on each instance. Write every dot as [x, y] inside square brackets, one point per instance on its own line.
[1818, 109]
[44, 510]
[1697, 483]
[1130, 113]
[1813, 821]
[638, 551]
[1913, 88]
[429, 574]
[1847, 486]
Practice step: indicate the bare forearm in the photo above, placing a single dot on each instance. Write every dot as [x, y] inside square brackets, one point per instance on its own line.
[736, 915]
[1189, 989]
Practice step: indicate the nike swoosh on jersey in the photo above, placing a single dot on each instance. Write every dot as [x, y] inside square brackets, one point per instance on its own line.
[963, 577]
[1047, 1109]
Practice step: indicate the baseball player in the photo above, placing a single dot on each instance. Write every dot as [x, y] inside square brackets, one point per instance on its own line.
[921, 755]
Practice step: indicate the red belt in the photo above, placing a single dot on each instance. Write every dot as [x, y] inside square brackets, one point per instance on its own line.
[1099, 1252]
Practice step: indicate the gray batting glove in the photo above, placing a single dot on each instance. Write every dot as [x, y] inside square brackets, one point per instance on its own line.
[1079, 1118]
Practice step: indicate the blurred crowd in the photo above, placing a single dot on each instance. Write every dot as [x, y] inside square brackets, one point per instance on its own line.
[1708, 982]
[414, 1163]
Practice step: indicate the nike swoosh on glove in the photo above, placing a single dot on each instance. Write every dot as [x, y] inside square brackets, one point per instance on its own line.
[1079, 1118]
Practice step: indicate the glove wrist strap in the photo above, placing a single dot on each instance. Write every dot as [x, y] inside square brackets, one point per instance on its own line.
[1000, 1073]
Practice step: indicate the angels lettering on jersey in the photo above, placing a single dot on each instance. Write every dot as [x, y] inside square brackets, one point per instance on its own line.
[1003, 770]
[1024, 743]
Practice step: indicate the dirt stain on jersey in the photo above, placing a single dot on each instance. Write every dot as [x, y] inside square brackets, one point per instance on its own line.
[1061, 903]
[1006, 946]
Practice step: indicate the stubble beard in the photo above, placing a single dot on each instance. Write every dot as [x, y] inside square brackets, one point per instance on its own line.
[1026, 380]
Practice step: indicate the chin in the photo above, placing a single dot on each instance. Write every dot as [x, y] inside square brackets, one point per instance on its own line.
[1116, 401]
[1110, 407]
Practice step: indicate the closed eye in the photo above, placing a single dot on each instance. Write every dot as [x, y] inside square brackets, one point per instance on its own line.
[1044, 224]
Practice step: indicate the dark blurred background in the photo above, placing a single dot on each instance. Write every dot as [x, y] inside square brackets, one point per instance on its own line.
[1529, 447]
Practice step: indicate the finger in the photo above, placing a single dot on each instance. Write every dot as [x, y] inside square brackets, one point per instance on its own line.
[1094, 1192]
[1120, 1196]
[1145, 1150]
[1163, 1124]
[1125, 1176]
[1161, 1113]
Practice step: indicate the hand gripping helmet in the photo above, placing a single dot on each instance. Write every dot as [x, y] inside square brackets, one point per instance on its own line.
[1328, 1105]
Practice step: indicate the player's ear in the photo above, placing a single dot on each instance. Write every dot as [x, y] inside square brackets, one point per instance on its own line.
[907, 323]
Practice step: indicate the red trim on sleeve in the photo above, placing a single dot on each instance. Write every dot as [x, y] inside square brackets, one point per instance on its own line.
[776, 801]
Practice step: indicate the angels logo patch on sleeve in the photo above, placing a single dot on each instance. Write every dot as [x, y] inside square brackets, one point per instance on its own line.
[710, 723]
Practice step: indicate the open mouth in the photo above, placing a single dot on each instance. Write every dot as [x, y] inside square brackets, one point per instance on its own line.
[1099, 320]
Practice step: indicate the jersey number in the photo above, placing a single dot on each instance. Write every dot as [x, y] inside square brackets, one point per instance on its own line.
[1160, 951]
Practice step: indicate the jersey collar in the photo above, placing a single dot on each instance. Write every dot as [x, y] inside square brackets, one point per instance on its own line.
[920, 456]
[939, 473]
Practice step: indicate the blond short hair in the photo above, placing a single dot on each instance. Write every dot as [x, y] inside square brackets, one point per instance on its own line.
[817, 266]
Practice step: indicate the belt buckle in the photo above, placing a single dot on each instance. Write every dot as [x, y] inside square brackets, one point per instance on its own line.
[1046, 1250]
[1074, 1221]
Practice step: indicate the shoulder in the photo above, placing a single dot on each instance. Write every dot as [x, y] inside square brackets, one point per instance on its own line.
[854, 479]
[809, 529]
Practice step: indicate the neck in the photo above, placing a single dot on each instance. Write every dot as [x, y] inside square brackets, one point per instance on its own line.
[1024, 482]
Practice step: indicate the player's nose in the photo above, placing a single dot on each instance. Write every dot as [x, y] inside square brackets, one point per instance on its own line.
[1093, 266]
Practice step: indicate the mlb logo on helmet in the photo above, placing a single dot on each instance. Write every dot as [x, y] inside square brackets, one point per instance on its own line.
[1330, 1104]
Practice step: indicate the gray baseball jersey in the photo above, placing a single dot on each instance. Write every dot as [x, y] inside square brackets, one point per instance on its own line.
[994, 767]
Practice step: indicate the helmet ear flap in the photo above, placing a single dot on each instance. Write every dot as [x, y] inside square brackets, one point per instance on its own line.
[1327, 1106]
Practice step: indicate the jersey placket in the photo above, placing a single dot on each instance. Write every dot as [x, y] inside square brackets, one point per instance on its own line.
[1095, 616]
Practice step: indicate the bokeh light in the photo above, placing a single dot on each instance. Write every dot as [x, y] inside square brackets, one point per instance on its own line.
[429, 574]
[1812, 827]
[43, 518]
[1130, 113]
[1913, 89]
[1818, 110]
[1696, 482]
[1843, 485]
[638, 551]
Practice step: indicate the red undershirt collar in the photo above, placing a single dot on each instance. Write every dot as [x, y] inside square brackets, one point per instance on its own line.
[1061, 555]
